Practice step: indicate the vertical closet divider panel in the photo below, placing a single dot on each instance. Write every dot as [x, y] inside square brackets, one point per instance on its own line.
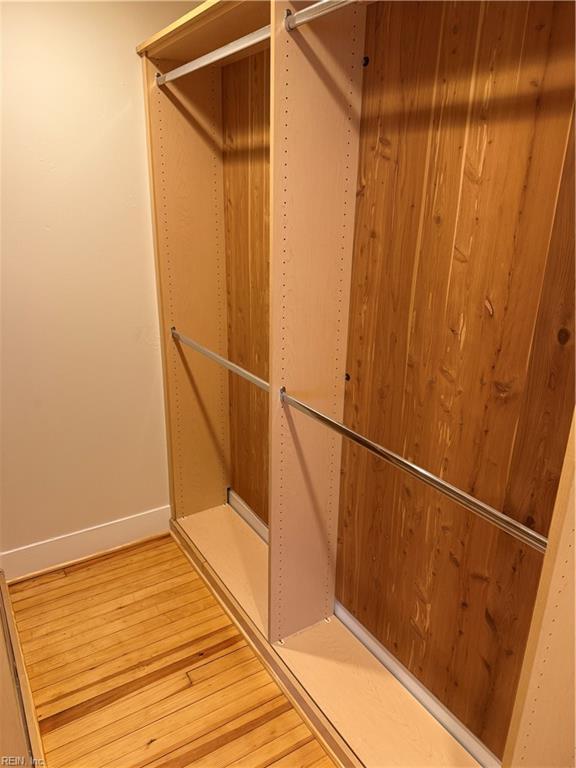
[466, 119]
[542, 726]
[184, 123]
[316, 95]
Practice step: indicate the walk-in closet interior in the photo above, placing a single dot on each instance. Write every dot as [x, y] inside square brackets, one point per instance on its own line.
[364, 227]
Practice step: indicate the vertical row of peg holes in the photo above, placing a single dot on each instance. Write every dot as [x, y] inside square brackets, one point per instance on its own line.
[565, 563]
[285, 58]
[164, 244]
[217, 203]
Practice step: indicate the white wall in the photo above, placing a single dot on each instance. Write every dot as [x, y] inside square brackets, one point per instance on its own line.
[82, 430]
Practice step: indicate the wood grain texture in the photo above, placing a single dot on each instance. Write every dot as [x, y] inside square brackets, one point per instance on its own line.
[186, 690]
[246, 132]
[549, 391]
[455, 360]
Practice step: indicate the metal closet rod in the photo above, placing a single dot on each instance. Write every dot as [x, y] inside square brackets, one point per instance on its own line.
[220, 53]
[220, 360]
[293, 20]
[485, 511]
[499, 519]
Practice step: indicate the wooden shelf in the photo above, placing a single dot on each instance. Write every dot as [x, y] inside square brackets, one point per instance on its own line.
[206, 27]
[236, 554]
[379, 719]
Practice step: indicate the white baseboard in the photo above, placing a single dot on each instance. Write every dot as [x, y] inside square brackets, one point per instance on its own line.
[78, 544]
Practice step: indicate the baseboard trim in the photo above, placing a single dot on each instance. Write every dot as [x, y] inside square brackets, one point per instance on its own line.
[42, 555]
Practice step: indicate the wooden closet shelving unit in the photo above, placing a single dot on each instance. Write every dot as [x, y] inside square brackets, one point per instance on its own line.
[375, 211]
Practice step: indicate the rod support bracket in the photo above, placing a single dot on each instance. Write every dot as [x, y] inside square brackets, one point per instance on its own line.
[288, 21]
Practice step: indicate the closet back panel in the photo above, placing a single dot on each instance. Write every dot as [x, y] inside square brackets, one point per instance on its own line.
[461, 336]
[187, 182]
[246, 133]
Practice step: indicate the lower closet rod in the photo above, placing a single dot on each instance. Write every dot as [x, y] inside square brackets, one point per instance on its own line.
[499, 519]
[480, 508]
[220, 360]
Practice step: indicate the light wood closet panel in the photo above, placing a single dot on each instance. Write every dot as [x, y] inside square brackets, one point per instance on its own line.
[185, 129]
[461, 335]
[246, 132]
[316, 98]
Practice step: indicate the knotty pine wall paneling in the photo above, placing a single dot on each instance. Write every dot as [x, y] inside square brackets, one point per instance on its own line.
[548, 396]
[246, 133]
[461, 337]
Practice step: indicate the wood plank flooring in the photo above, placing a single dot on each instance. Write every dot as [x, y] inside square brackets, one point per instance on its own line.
[133, 662]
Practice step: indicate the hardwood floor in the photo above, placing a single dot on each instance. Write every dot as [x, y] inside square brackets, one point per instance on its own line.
[133, 662]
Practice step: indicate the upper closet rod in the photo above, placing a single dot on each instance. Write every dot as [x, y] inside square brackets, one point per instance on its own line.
[220, 53]
[221, 360]
[502, 521]
[293, 20]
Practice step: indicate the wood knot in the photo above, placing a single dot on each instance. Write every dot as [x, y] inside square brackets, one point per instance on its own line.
[447, 374]
[563, 336]
[503, 388]
[490, 621]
